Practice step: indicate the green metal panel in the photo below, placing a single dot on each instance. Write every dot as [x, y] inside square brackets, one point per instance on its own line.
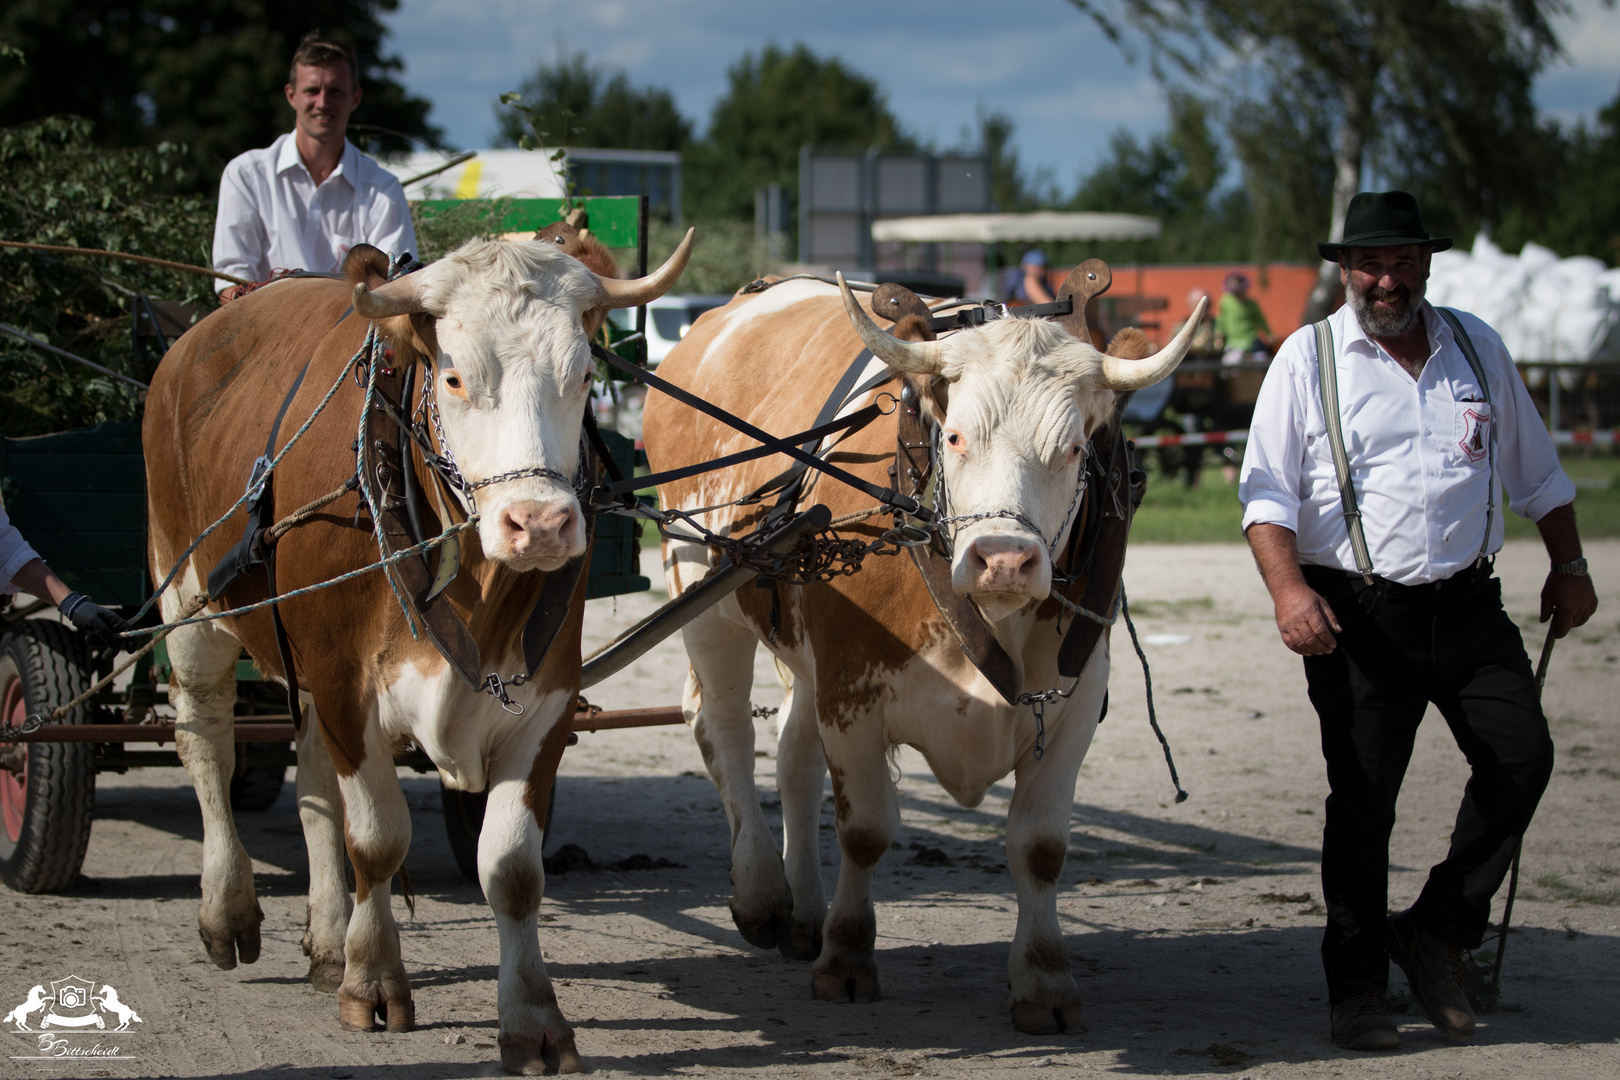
[79, 498]
[618, 542]
[615, 220]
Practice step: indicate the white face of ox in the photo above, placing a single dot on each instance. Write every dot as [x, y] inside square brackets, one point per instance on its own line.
[514, 369]
[1022, 401]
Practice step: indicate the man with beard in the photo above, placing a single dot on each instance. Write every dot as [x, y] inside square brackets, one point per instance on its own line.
[1381, 440]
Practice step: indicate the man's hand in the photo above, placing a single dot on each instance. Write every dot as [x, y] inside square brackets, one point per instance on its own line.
[102, 626]
[1569, 599]
[1305, 620]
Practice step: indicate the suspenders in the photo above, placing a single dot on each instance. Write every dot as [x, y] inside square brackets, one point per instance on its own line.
[1328, 384]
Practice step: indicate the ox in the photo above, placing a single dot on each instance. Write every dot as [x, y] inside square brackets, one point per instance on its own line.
[502, 330]
[873, 662]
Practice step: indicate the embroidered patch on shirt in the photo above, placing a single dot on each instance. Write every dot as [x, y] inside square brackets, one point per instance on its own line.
[1474, 431]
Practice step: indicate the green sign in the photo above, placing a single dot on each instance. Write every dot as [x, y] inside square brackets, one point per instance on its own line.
[615, 220]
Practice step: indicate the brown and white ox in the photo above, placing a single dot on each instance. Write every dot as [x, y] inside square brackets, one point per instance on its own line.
[873, 663]
[503, 328]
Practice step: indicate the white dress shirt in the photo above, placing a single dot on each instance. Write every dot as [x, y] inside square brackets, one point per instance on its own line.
[1416, 447]
[14, 553]
[273, 216]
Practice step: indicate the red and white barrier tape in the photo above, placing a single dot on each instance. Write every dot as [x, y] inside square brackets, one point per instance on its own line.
[1586, 438]
[1197, 438]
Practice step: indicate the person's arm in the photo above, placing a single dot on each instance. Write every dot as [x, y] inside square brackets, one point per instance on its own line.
[1570, 597]
[391, 229]
[241, 238]
[1304, 619]
[1035, 286]
[37, 579]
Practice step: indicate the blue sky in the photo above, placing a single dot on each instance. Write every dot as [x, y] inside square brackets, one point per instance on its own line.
[1040, 61]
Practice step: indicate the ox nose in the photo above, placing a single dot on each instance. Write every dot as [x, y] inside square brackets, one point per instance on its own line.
[1001, 564]
[532, 528]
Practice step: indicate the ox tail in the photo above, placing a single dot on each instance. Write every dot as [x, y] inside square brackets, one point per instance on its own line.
[403, 880]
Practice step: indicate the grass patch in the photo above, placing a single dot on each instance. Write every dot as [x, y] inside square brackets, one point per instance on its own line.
[1210, 513]
[1558, 887]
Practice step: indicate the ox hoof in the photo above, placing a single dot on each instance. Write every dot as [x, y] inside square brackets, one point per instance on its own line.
[541, 1057]
[326, 975]
[367, 1014]
[228, 944]
[1047, 1017]
[845, 981]
[803, 943]
[763, 932]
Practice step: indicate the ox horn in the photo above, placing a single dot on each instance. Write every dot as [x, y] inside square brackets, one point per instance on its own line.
[917, 357]
[617, 293]
[401, 297]
[1122, 374]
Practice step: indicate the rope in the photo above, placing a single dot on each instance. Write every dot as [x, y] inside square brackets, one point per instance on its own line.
[1147, 677]
[8, 733]
[308, 510]
[167, 264]
[365, 346]
[859, 515]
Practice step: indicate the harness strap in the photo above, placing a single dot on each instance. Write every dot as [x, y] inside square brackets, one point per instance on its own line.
[792, 485]
[887, 496]
[1466, 343]
[1328, 384]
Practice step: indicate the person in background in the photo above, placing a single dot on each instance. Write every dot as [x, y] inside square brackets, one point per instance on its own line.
[1026, 283]
[22, 568]
[1240, 326]
[302, 202]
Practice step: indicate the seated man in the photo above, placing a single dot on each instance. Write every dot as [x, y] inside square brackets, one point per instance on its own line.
[1240, 325]
[302, 202]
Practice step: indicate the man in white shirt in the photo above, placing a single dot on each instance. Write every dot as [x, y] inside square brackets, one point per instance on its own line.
[306, 199]
[1386, 590]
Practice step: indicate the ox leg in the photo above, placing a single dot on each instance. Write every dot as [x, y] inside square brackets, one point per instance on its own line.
[1043, 996]
[377, 829]
[867, 814]
[716, 703]
[320, 808]
[202, 688]
[800, 769]
[534, 1037]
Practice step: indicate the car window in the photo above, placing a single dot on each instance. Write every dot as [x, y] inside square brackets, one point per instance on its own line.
[670, 322]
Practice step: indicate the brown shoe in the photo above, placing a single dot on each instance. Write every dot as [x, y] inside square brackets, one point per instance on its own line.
[1434, 970]
[1364, 1022]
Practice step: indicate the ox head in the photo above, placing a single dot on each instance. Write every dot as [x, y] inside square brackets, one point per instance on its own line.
[1016, 402]
[505, 328]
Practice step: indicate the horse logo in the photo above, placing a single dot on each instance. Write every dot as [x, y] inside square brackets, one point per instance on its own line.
[1476, 434]
[37, 1000]
[109, 1002]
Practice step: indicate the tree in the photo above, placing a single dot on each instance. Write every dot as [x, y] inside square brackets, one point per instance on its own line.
[62, 189]
[206, 73]
[583, 105]
[1431, 89]
[1581, 214]
[775, 103]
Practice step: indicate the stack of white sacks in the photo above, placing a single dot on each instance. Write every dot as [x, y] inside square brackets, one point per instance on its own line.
[1545, 308]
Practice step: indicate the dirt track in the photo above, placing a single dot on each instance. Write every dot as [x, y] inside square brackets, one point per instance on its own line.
[1193, 928]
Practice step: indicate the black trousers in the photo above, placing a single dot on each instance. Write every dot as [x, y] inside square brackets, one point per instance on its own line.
[1403, 647]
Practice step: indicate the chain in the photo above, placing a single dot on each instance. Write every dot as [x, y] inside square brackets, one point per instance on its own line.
[11, 733]
[495, 686]
[764, 712]
[518, 474]
[948, 535]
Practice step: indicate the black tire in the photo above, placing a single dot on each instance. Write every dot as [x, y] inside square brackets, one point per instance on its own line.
[46, 825]
[464, 820]
[256, 787]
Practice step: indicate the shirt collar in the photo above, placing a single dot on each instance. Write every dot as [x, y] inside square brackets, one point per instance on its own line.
[1356, 338]
[348, 165]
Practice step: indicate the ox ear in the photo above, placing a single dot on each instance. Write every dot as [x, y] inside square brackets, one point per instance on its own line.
[1131, 344]
[366, 265]
[1084, 284]
[1123, 372]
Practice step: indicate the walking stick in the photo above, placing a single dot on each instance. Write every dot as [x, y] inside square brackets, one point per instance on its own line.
[1518, 844]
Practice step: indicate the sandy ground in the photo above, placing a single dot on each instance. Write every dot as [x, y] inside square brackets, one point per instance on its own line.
[1193, 928]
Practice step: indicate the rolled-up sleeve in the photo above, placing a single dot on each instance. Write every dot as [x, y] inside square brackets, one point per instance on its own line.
[14, 554]
[241, 243]
[1274, 457]
[1527, 463]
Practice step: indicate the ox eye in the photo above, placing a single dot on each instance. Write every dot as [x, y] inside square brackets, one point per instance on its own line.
[452, 383]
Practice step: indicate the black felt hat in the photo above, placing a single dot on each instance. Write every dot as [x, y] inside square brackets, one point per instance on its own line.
[1382, 219]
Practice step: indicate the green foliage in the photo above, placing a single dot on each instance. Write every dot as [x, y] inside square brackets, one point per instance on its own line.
[205, 73]
[61, 189]
[726, 254]
[1580, 214]
[581, 104]
[443, 231]
[775, 102]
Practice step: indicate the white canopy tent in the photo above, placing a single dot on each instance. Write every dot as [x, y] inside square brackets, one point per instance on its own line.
[995, 228]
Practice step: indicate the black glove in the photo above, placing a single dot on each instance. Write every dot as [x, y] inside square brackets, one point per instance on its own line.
[101, 625]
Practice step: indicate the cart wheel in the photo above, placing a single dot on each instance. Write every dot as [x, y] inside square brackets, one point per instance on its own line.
[255, 787]
[464, 820]
[47, 790]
